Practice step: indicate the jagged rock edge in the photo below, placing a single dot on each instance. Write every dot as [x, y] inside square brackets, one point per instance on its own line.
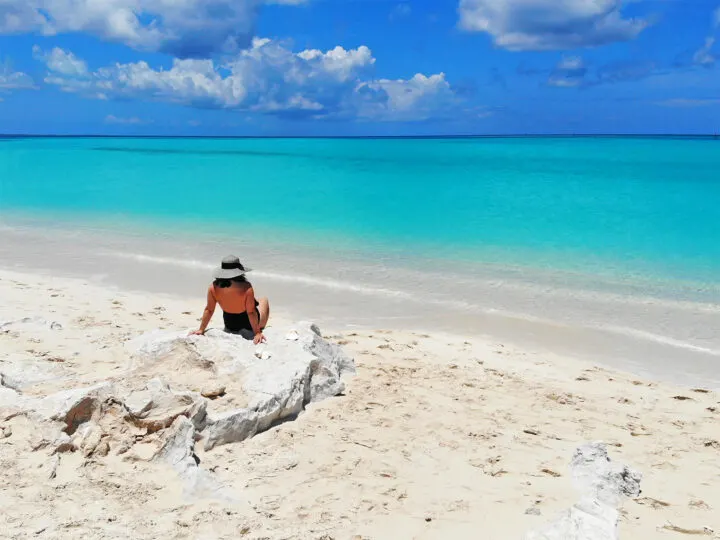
[264, 415]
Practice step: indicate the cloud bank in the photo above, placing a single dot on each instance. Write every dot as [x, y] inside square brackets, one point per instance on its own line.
[182, 28]
[266, 78]
[525, 25]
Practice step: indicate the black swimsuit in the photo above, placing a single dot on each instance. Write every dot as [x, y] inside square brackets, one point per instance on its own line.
[238, 322]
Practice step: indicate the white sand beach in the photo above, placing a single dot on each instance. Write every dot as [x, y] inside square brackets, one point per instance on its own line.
[436, 437]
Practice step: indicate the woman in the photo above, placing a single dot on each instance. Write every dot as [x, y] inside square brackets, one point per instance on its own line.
[241, 312]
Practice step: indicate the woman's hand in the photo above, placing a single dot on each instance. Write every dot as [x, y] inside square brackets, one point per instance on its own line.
[259, 338]
[197, 333]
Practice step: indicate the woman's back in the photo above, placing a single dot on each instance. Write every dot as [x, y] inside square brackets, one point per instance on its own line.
[232, 299]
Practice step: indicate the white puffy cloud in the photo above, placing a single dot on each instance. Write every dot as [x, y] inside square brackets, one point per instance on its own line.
[184, 28]
[418, 98]
[570, 72]
[195, 82]
[14, 80]
[62, 62]
[17, 16]
[133, 120]
[549, 24]
[338, 61]
[266, 78]
[704, 55]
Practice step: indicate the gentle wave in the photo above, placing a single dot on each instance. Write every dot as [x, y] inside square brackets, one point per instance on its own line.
[187, 263]
[422, 299]
[621, 330]
[314, 281]
[287, 278]
[605, 297]
[595, 296]
[664, 340]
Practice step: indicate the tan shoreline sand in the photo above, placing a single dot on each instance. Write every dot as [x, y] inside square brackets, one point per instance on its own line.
[437, 437]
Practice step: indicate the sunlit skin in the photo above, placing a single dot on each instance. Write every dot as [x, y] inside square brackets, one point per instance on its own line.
[238, 298]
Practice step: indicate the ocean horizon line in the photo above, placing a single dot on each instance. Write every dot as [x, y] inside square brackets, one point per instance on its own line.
[707, 136]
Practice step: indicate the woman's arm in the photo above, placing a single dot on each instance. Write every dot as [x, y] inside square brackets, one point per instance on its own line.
[253, 316]
[208, 313]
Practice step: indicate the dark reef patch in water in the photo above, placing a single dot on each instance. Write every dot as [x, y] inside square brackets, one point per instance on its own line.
[171, 151]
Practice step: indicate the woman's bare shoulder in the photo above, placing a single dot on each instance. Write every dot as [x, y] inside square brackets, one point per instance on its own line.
[248, 289]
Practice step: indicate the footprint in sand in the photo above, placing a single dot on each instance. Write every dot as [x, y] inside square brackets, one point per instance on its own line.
[699, 504]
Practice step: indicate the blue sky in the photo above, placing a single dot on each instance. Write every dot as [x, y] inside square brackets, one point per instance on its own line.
[359, 67]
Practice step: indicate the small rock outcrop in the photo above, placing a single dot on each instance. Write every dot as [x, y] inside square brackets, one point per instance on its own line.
[299, 367]
[74, 407]
[603, 486]
[176, 391]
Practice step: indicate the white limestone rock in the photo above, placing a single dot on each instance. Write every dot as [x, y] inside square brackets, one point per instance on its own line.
[156, 406]
[332, 364]
[73, 407]
[595, 475]
[177, 451]
[274, 388]
[603, 486]
[52, 466]
[9, 394]
[61, 415]
[69, 408]
[9, 382]
[48, 437]
[87, 438]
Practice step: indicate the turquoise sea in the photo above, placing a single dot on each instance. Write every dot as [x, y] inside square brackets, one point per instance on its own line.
[622, 234]
[601, 204]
